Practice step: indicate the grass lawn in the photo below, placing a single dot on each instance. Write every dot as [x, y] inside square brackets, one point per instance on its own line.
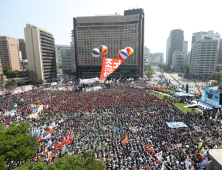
[182, 108]
[160, 96]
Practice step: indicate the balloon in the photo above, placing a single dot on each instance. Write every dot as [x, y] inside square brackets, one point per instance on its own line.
[129, 51]
[103, 49]
[122, 54]
[95, 53]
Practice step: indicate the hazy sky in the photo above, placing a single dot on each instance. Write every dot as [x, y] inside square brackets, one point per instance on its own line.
[161, 16]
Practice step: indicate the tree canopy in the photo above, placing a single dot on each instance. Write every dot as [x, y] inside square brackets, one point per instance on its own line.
[9, 73]
[149, 71]
[83, 161]
[16, 144]
[219, 76]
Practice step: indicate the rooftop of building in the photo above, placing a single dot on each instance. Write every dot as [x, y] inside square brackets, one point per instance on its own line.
[32, 26]
[129, 15]
[174, 30]
[8, 38]
[19, 80]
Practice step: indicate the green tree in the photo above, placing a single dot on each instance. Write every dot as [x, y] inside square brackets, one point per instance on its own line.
[16, 144]
[219, 76]
[83, 161]
[9, 73]
[12, 83]
[2, 162]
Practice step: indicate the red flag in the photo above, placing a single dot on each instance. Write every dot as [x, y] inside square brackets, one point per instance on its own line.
[49, 158]
[39, 139]
[109, 65]
[124, 141]
[59, 145]
[55, 149]
[6, 92]
[11, 91]
[50, 131]
[66, 135]
[8, 120]
[151, 149]
[71, 139]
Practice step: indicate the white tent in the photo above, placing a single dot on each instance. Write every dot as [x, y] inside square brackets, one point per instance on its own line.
[89, 81]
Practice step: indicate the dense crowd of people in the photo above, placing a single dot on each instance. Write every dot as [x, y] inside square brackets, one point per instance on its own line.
[124, 127]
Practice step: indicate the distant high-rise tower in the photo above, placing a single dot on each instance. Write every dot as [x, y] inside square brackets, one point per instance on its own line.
[40, 49]
[185, 47]
[22, 48]
[116, 32]
[58, 49]
[175, 42]
[9, 52]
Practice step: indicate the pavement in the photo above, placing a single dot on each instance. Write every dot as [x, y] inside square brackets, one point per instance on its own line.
[35, 115]
[182, 80]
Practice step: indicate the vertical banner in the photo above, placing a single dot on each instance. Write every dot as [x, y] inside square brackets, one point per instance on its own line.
[109, 65]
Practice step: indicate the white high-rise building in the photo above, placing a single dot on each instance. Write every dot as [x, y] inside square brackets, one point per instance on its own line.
[204, 57]
[40, 49]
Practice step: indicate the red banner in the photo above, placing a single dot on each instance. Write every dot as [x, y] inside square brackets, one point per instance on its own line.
[109, 65]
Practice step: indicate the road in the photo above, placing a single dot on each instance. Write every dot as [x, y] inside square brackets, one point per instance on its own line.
[182, 80]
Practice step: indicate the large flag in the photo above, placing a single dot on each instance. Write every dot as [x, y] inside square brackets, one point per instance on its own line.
[200, 144]
[203, 163]
[124, 141]
[48, 136]
[109, 65]
[39, 139]
[201, 151]
[60, 121]
[49, 143]
[187, 162]
[203, 155]
[63, 149]
[162, 168]
[49, 160]
[159, 155]
[50, 131]
[8, 120]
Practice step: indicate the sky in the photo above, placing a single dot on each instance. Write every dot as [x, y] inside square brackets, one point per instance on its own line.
[161, 16]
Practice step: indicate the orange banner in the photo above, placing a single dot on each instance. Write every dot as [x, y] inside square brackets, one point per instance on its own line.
[109, 65]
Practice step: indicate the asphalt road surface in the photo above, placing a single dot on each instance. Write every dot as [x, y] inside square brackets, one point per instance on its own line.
[182, 80]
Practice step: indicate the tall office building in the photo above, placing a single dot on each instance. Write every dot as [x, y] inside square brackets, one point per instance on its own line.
[73, 58]
[66, 58]
[9, 52]
[204, 56]
[157, 58]
[185, 47]
[175, 42]
[116, 32]
[22, 48]
[188, 57]
[58, 49]
[40, 49]
[179, 59]
[198, 36]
